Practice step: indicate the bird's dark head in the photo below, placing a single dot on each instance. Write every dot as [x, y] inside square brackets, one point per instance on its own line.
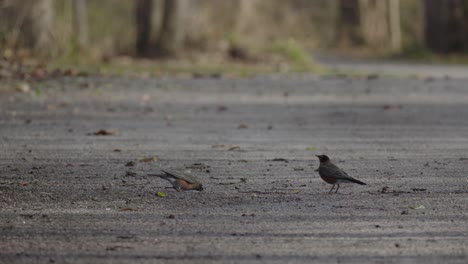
[199, 188]
[323, 158]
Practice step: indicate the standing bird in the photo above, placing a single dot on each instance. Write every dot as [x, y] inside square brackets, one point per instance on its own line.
[181, 181]
[331, 174]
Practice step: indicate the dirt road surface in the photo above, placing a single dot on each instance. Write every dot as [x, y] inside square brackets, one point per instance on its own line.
[68, 195]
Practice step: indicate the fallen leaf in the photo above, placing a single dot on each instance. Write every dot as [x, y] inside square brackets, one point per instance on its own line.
[150, 159]
[23, 87]
[82, 74]
[238, 53]
[161, 194]
[115, 248]
[126, 237]
[68, 72]
[311, 148]
[429, 79]
[248, 214]
[198, 166]
[126, 209]
[103, 132]
[384, 189]
[222, 108]
[280, 159]
[130, 173]
[392, 107]
[372, 76]
[145, 97]
[417, 207]
[218, 146]
[295, 191]
[234, 148]
[215, 75]
[51, 107]
[227, 183]
[418, 189]
[117, 150]
[130, 164]
[23, 183]
[243, 126]
[38, 73]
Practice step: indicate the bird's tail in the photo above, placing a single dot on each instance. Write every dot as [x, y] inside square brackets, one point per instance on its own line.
[164, 176]
[357, 181]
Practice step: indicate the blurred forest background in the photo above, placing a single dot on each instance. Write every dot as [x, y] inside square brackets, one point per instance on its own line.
[278, 33]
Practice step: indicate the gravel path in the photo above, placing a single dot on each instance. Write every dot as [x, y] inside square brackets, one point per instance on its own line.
[69, 196]
[400, 68]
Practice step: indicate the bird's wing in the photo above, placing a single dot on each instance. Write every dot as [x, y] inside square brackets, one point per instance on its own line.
[189, 178]
[182, 176]
[333, 170]
[164, 175]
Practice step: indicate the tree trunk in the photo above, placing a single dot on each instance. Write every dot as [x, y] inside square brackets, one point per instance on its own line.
[41, 25]
[446, 25]
[30, 24]
[348, 23]
[374, 23]
[172, 34]
[380, 23]
[143, 11]
[80, 20]
[244, 10]
[394, 25]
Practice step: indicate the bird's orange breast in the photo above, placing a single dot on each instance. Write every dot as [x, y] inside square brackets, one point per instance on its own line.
[330, 180]
[184, 185]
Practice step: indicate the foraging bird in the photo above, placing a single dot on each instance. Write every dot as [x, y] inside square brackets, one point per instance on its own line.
[181, 181]
[331, 174]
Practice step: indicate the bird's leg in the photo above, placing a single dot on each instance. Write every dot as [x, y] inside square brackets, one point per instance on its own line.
[337, 187]
[333, 186]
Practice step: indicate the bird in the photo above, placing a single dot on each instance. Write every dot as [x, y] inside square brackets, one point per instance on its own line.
[180, 181]
[331, 174]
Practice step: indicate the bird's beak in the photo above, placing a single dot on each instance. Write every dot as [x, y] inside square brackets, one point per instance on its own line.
[318, 156]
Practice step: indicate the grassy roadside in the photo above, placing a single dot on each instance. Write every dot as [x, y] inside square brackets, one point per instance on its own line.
[126, 66]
